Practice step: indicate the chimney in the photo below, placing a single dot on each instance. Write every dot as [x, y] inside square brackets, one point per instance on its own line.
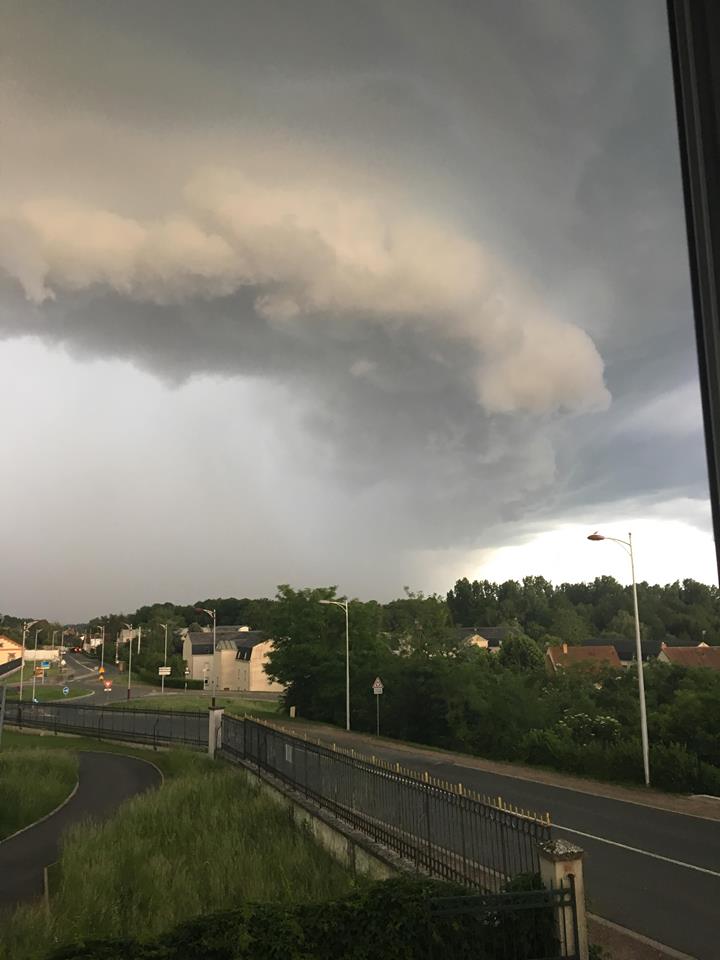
[564, 648]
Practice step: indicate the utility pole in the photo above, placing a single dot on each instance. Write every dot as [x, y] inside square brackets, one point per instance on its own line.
[162, 678]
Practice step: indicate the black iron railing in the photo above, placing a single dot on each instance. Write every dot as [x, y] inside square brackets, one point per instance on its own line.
[139, 726]
[440, 828]
[532, 924]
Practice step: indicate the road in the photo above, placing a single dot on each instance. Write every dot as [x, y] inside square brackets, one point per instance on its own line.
[650, 870]
[105, 781]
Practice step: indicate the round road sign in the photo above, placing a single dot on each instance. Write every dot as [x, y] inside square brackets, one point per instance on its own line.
[66, 691]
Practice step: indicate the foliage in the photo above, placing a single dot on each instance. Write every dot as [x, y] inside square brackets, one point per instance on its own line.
[32, 783]
[521, 653]
[390, 919]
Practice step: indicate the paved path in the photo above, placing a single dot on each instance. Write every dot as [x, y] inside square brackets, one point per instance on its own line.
[106, 779]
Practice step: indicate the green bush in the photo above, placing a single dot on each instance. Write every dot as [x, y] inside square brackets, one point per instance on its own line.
[391, 920]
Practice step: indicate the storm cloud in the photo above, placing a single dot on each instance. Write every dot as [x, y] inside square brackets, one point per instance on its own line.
[449, 235]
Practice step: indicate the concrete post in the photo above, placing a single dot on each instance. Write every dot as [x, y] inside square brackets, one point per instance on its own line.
[215, 716]
[560, 860]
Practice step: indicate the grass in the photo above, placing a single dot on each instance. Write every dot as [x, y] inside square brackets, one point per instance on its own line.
[172, 761]
[189, 701]
[32, 783]
[205, 841]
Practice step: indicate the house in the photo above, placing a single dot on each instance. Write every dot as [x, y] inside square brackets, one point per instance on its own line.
[700, 656]
[240, 653]
[594, 657]
[486, 638]
[9, 650]
[625, 647]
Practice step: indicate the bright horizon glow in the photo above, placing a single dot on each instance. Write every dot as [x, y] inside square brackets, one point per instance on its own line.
[665, 551]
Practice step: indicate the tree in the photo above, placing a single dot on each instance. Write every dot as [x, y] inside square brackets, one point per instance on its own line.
[521, 653]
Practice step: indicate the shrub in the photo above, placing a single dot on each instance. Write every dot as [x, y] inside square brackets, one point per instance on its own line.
[391, 920]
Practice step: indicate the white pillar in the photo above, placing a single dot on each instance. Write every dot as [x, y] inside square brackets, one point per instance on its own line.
[560, 860]
[215, 715]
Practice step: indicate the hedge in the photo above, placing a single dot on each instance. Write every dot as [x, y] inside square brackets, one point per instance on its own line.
[390, 919]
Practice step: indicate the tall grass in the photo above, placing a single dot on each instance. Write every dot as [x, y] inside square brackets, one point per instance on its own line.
[32, 783]
[205, 841]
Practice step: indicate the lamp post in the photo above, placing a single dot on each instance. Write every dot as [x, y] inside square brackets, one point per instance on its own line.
[627, 545]
[130, 627]
[102, 648]
[35, 666]
[26, 627]
[344, 605]
[212, 613]
[162, 678]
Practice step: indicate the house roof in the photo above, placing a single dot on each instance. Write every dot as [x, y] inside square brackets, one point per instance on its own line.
[694, 656]
[493, 635]
[625, 647]
[6, 641]
[568, 656]
[202, 643]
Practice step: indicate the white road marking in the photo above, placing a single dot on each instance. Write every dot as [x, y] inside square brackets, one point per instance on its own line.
[644, 853]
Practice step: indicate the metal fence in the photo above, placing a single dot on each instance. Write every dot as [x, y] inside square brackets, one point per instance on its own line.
[442, 830]
[519, 925]
[140, 726]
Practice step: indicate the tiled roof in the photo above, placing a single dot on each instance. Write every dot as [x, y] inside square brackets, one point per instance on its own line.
[694, 656]
[569, 656]
[625, 647]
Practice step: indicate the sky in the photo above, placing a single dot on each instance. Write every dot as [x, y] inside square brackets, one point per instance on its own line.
[375, 295]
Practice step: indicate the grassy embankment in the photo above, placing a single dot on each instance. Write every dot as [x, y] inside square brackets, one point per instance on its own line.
[199, 701]
[32, 783]
[205, 841]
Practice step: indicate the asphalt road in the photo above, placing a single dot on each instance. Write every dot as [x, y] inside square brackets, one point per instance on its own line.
[106, 780]
[654, 872]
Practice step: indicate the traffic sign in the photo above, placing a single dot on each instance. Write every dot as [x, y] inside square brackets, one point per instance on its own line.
[45, 664]
[101, 670]
[107, 684]
[377, 687]
[66, 691]
[163, 671]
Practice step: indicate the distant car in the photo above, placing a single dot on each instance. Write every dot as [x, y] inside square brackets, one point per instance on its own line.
[77, 650]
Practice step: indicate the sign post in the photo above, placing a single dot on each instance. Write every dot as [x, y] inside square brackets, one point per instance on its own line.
[163, 672]
[377, 689]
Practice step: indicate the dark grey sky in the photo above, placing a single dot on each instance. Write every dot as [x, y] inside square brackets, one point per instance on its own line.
[356, 293]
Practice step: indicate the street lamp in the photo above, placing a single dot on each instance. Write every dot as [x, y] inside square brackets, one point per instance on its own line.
[26, 627]
[102, 648]
[162, 678]
[344, 604]
[35, 665]
[213, 614]
[130, 628]
[627, 545]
